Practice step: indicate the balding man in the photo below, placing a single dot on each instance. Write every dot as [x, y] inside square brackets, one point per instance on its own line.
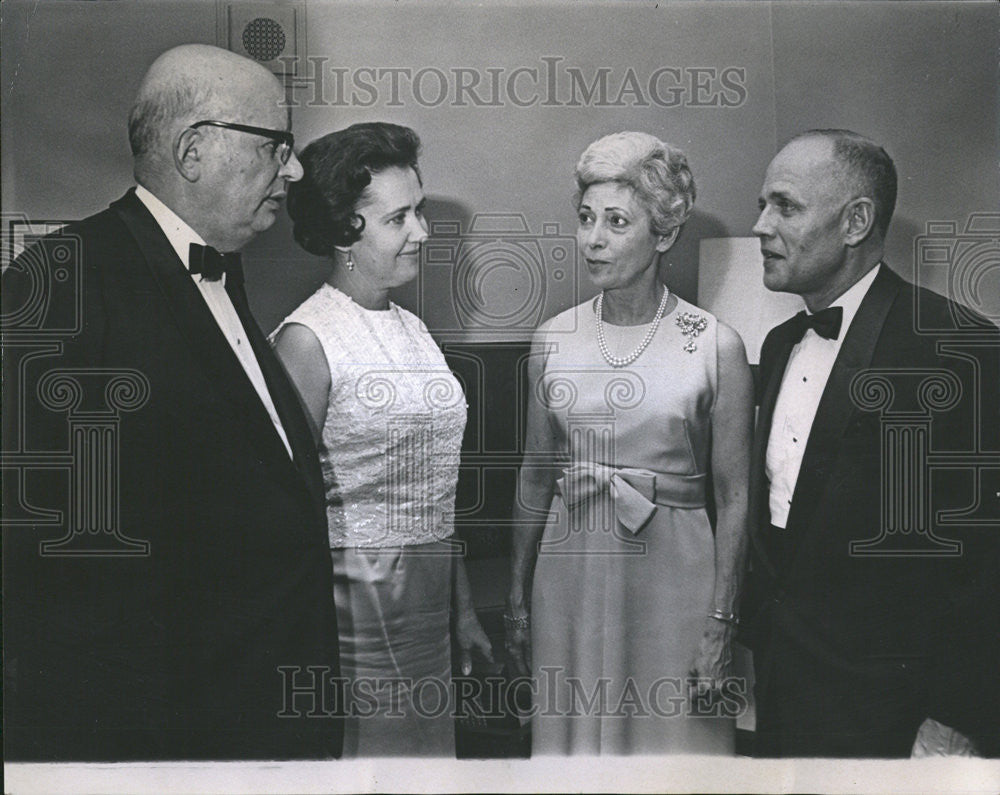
[215, 641]
[864, 648]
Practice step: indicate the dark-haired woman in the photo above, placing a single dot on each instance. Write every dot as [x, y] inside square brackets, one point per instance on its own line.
[389, 417]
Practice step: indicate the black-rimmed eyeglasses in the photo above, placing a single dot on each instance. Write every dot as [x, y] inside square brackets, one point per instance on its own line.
[284, 139]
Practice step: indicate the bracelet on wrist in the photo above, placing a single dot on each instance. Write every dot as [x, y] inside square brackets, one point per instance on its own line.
[516, 622]
[728, 618]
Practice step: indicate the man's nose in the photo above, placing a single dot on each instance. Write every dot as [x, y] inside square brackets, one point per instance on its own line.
[763, 226]
[292, 170]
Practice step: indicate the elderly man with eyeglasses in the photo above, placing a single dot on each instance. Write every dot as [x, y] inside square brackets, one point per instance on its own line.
[205, 628]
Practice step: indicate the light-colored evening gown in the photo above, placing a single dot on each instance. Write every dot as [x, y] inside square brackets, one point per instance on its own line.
[620, 600]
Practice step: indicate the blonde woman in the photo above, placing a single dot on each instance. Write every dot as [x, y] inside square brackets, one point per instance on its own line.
[622, 595]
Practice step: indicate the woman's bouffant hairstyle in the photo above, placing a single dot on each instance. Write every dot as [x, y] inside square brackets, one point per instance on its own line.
[656, 171]
[338, 168]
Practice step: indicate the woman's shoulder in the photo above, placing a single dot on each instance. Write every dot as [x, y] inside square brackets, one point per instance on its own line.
[685, 311]
[328, 315]
[418, 336]
[557, 326]
[568, 319]
[408, 317]
[314, 308]
[692, 318]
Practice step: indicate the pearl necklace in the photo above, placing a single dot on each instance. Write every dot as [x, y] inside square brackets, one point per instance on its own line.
[602, 343]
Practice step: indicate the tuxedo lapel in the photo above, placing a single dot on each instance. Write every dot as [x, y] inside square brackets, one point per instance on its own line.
[286, 401]
[835, 406]
[198, 326]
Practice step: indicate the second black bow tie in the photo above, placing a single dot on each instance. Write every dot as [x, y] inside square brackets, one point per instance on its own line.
[211, 264]
[826, 323]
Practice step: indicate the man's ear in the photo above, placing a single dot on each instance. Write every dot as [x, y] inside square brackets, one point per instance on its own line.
[667, 240]
[859, 220]
[187, 156]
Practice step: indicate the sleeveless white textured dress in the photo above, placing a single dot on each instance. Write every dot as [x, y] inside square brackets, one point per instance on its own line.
[390, 452]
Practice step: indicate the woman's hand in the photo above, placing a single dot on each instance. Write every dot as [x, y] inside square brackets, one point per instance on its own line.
[469, 635]
[732, 425]
[713, 663]
[518, 645]
[536, 483]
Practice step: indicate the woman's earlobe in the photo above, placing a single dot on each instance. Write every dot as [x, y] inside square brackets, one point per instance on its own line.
[667, 240]
[345, 251]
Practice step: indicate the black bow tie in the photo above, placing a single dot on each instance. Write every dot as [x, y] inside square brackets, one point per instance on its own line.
[211, 264]
[826, 323]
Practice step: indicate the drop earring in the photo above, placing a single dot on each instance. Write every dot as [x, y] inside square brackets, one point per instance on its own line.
[350, 261]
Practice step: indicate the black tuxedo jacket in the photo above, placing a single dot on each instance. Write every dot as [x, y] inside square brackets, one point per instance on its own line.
[853, 650]
[193, 649]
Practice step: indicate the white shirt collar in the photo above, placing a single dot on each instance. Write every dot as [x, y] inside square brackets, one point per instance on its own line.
[180, 235]
[850, 300]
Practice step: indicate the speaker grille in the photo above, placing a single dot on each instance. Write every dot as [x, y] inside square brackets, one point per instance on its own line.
[264, 39]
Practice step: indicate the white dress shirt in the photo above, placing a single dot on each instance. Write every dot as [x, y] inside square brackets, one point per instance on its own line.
[181, 236]
[808, 369]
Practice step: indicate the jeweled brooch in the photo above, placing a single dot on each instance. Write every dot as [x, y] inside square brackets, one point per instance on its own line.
[691, 325]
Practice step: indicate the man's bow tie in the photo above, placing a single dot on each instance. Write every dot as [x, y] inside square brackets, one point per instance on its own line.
[211, 264]
[826, 323]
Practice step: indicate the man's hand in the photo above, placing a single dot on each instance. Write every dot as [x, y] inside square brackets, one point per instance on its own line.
[936, 739]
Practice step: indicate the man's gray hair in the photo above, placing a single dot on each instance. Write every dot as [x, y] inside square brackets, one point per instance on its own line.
[154, 112]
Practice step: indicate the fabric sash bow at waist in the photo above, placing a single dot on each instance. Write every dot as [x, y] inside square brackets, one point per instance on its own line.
[635, 493]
